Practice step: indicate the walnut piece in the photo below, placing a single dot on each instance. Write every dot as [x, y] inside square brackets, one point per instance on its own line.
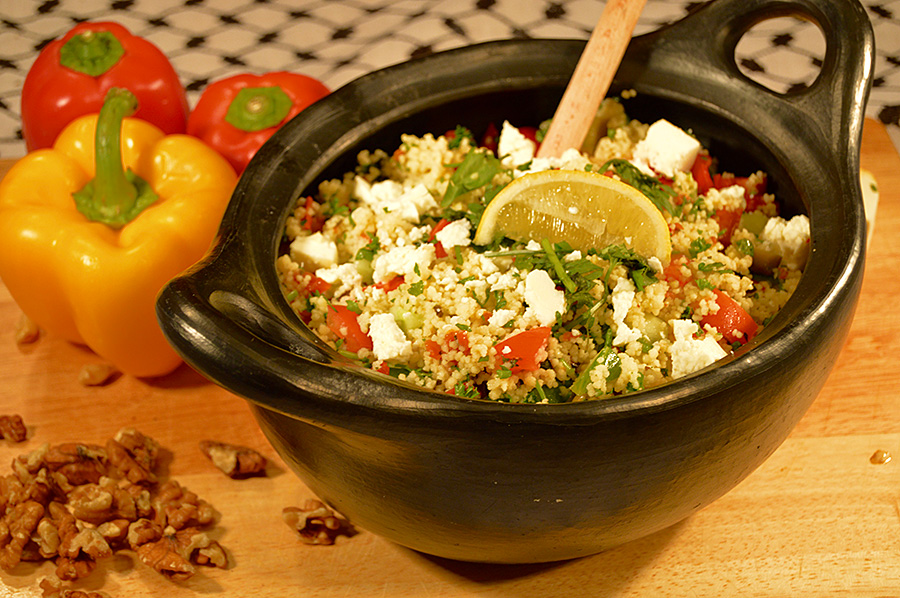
[235, 461]
[315, 523]
[27, 330]
[16, 529]
[97, 374]
[13, 428]
[129, 467]
[53, 588]
[163, 557]
[143, 449]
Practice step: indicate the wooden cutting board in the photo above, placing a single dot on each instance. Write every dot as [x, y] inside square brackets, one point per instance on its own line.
[818, 518]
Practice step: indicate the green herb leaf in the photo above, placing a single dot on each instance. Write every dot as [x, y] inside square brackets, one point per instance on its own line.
[661, 195]
[476, 170]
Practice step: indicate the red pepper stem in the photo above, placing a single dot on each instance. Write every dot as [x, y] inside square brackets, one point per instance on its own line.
[112, 189]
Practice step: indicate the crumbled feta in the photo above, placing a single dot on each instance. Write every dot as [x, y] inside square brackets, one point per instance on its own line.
[505, 281]
[314, 251]
[501, 317]
[573, 256]
[655, 264]
[513, 148]
[543, 298]
[347, 275]
[791, 237]
[533, 245]
[666, 149]
[622, 298]
[402, 261]
[388, 340]
[391, 196]
[455, 234]
[571, 159]
[690, 354]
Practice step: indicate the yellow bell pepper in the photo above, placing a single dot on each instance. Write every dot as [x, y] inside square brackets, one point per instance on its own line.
[93, 279]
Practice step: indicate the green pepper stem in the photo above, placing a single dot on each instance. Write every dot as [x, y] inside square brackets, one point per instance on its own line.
[92, 52]
[114, 196]
[112, 190]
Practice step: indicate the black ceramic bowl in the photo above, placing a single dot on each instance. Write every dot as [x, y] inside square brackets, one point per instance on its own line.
[481, 481]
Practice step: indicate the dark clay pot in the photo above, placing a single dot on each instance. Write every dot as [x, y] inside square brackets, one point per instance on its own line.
[479, 481]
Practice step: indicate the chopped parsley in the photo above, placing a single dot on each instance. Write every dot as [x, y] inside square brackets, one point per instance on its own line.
[661, 195]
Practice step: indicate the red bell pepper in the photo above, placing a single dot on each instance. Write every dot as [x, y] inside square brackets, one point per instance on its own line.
[236, 115]
[732, 321]
[524, 352]
[342, 321]
[71, 76]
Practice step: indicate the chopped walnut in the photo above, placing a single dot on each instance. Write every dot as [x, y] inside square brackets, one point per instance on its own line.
[16, 528]
[143, 449]
[53, 588]
[163, 557]
[316, 523]
[78, 503]
[79, 463]
[178, 507]
[142, 531]
[97, 374]
[114, 532]
[92, 503]
[234, 461]
[120, 458]
[72, 569]
[87, 543]
[13, 428]
[27, 330]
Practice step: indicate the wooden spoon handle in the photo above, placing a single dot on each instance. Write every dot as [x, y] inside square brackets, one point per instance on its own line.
[592, 77]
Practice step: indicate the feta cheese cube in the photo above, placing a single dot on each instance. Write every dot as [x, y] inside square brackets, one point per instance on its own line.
[791, 237]
[314, 251]
[388, 339]
[501, 317]
[402, 261]
[690, 354]
[455, 234]
[513, 147]
[346, 274]
[544, 300]
[622, 298]
[390, 196]
[666, 149]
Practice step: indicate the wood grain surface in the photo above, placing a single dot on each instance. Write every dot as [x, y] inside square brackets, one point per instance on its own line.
[817, 519]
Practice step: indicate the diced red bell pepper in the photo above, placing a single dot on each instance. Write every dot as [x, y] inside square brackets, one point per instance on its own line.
[700, 172]
[312, 222]
[731, 320]
[728, 222]
[434, 348]
[673, 271]
[524, 352]
[439, 251]
[343, 322]
[491, 138]
[390, 285]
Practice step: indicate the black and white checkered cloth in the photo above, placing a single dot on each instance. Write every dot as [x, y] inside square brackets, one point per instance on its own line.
[338, 40]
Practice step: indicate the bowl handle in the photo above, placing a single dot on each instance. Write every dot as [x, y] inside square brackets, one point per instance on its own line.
[703, 45]
[194, 311]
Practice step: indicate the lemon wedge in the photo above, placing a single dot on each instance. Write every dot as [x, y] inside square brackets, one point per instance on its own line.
[586, 209]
